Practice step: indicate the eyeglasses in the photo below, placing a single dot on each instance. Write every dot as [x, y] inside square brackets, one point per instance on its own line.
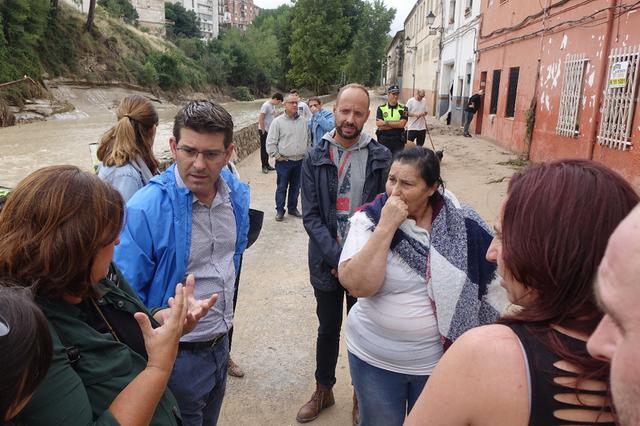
[4, 327]
[192, 153]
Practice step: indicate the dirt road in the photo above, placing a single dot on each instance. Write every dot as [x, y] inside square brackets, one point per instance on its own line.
[274, 339]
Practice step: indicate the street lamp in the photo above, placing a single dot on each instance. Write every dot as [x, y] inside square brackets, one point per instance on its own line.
[431, 18]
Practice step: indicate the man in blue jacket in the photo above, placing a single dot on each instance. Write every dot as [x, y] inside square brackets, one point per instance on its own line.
[345, 170]
[192, 219]
[321, 120]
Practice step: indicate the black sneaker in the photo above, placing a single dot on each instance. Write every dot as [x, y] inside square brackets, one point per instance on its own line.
[279, 217]
[295, 212]
[265, 170]
[270, 168]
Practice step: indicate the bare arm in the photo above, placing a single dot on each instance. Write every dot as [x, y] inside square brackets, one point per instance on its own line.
[363, 274]
[481, 380]
[137, 402]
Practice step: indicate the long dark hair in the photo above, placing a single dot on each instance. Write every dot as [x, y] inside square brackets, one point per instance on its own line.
[556, 223]
[26, 346]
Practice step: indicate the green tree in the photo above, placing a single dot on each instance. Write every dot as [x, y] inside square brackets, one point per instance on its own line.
[318, 30]
[121, 9]
[278, 22]
[185, 22]
[369, 43]
[24, 24]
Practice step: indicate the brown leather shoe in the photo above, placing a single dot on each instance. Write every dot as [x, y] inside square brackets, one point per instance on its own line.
[355, 413]
[234, 369]
[321, 399]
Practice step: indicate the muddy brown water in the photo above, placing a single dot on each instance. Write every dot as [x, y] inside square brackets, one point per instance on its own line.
[28, 147]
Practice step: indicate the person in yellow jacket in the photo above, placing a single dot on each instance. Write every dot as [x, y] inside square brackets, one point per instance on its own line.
[391, 119]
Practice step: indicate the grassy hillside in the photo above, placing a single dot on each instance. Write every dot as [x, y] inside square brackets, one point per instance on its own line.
[59, 46]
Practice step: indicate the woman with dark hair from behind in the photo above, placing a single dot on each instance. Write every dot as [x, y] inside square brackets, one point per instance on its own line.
[533, 367]
[25, 349]
[111, 358]
[126, 149]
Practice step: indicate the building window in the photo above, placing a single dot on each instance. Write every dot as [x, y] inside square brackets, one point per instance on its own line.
[452, 11]
[512, 91]
[571, 95]
[619, 102]
[495, 91]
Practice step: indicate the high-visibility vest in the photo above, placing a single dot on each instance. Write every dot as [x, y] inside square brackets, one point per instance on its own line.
[391, 114]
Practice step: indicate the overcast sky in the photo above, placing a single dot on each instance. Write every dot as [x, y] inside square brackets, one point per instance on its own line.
[403, 7]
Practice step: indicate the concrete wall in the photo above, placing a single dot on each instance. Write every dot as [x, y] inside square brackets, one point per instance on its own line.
[150, 14]
[422, 52]
[79, 5]
[457, 61]
[519, 49]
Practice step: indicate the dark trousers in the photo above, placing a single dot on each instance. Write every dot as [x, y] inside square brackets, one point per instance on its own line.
[329, 308]
[235, 301]
[417, 135]
[393, 144]
[289, 174]
[264, 157]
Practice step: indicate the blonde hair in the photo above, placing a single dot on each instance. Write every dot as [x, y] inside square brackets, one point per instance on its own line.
[132, 135]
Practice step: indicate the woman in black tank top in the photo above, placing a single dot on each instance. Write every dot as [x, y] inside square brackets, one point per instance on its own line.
[532, 368]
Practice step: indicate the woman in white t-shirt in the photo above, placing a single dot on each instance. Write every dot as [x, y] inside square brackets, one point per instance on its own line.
[388, 261]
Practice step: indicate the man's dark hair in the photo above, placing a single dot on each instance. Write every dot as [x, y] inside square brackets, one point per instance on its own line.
[204, 117]
[294, 91]
[315, 99]
[278, 96]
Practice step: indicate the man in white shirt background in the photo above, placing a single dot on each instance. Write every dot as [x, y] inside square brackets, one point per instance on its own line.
[266, 116]
[417, 123]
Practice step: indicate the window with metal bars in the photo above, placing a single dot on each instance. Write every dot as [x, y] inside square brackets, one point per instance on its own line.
[619, 101]
[495, 91]
[512, 91]
[571, 95]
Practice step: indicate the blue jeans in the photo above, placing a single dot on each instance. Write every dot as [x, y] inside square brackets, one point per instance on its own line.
[384, 397]
[198, 381]
[289, 173]
[468, 116]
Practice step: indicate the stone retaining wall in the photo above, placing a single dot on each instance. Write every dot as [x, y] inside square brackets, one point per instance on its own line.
[245, 140]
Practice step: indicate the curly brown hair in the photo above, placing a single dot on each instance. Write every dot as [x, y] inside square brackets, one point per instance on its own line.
[52, 227]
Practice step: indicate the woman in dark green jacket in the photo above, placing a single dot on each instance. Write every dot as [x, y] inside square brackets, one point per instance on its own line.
[111, 358]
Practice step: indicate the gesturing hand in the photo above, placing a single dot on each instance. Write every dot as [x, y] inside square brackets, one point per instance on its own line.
[394, 212]
[162, 342]
[196, 309]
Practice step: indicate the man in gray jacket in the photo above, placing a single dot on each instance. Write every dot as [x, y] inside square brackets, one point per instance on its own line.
[346, 169]
[287, 142]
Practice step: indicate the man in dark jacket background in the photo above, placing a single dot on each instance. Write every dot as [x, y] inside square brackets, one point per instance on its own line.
[472, 107]
[345, 170]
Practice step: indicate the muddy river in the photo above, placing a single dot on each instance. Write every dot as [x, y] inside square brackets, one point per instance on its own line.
[27, 147]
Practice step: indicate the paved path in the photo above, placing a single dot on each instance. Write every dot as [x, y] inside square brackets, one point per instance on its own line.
[274, 340]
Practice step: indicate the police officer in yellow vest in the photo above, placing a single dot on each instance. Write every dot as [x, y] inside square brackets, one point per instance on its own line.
[390, 120]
